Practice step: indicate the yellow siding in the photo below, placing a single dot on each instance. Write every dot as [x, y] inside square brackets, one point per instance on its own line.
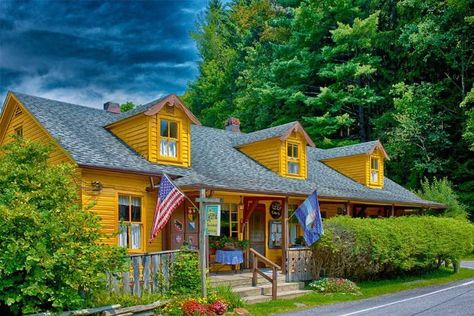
[267, 153]
[355, 167]
[184, 134]
[32, 130]
[298, 139]
[134, 132]
[105, 202]
[272, 153]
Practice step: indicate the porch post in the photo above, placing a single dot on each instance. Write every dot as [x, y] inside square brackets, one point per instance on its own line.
[393, 210]
[349, 209]
[202, 241]
[285, 236]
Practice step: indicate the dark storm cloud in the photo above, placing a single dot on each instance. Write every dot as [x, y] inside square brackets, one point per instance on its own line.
[93, 51]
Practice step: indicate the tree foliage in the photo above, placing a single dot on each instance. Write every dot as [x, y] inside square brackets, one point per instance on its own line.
[441, 190]
[350, 71]
[127, 106]
[51, 256]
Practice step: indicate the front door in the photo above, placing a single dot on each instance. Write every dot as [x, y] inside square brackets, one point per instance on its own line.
[257, 229]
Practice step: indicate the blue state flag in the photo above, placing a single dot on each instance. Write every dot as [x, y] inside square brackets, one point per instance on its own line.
[309, 216]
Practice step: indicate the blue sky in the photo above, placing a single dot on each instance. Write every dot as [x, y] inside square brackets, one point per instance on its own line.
[89, 52]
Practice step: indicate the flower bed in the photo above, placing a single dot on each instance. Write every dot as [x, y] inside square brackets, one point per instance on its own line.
[334, 285]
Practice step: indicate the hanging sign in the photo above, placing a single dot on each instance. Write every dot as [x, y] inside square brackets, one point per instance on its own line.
[213, 219]
[275, 209]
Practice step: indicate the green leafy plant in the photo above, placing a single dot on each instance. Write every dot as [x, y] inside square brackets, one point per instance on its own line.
[334, 285]
[225, 294]
[226, 242]
[373, 248]
[52, 257]
[185, 275]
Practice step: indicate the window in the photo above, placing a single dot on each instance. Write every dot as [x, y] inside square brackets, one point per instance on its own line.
[374, 170]
[168, 138]
[19, 131]
[130, 217]
[293, 159]
[293, 225]
[229, 220]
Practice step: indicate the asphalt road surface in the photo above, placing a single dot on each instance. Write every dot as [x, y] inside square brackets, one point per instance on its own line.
[453, 299]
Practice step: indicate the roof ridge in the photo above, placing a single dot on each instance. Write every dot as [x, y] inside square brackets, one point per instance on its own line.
[352, 145]
[268, 128]
[58, 101]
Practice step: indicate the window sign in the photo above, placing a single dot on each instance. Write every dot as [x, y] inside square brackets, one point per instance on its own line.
[213, 219]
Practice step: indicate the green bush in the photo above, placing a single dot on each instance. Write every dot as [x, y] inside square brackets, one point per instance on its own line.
[185, 277]
[334, 285]
[371, 248]
[51, 257]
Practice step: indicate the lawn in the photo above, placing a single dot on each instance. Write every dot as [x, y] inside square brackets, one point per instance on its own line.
[368, 289]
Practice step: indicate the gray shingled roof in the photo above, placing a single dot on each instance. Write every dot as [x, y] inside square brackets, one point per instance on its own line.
[263, 134]
[136, 110]
[80, 131]
[215, 162]
[218, 165]
[349, 150]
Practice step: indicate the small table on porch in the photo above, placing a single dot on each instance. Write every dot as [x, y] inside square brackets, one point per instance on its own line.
[231, 257]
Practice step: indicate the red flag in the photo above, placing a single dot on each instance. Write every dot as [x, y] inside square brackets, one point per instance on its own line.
[169, 198]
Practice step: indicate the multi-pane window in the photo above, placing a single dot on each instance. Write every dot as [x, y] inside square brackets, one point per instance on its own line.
[374, 170]
[19, 131]
[293, 159]
[229, 220]
[130, 217]
[168, 138]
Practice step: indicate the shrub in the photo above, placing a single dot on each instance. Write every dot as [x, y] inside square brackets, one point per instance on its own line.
[225, 294]
[370, 248]
[51, 257]
[334, 285]
[442, 191]
[185, 275]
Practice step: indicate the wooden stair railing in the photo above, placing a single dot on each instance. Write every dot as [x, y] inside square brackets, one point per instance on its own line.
[273, 279]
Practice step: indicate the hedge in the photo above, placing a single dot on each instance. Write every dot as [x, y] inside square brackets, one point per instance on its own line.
[361, 249]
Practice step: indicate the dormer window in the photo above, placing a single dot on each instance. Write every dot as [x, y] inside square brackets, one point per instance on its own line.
[169, 138]
[374, 170]
[293, 159]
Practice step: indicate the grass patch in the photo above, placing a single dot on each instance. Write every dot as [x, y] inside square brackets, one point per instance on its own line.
[368, 289]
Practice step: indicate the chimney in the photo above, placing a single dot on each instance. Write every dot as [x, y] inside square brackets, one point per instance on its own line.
[232, 124]
[112, 107]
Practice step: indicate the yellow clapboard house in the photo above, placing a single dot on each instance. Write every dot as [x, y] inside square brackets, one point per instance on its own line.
[261, 177]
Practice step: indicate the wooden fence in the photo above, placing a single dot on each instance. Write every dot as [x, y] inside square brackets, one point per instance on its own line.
[148, 272]
[300, 265]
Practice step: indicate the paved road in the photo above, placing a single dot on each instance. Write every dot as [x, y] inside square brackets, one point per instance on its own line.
[453, 299]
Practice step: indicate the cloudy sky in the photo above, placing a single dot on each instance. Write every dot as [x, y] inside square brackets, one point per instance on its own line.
[89, 52]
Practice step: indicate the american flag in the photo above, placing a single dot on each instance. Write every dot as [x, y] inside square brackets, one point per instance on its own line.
[169, 198]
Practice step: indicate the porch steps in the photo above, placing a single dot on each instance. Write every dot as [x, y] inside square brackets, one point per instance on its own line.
[242, 285]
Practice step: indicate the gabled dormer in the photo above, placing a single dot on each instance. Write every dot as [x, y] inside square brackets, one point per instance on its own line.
[363, 162]
[159, 131]
[281, 149]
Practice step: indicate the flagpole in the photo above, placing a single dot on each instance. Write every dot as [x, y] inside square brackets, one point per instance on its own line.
[157, 186]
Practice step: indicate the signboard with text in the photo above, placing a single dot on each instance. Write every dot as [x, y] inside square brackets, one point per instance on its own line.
[213, 212]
